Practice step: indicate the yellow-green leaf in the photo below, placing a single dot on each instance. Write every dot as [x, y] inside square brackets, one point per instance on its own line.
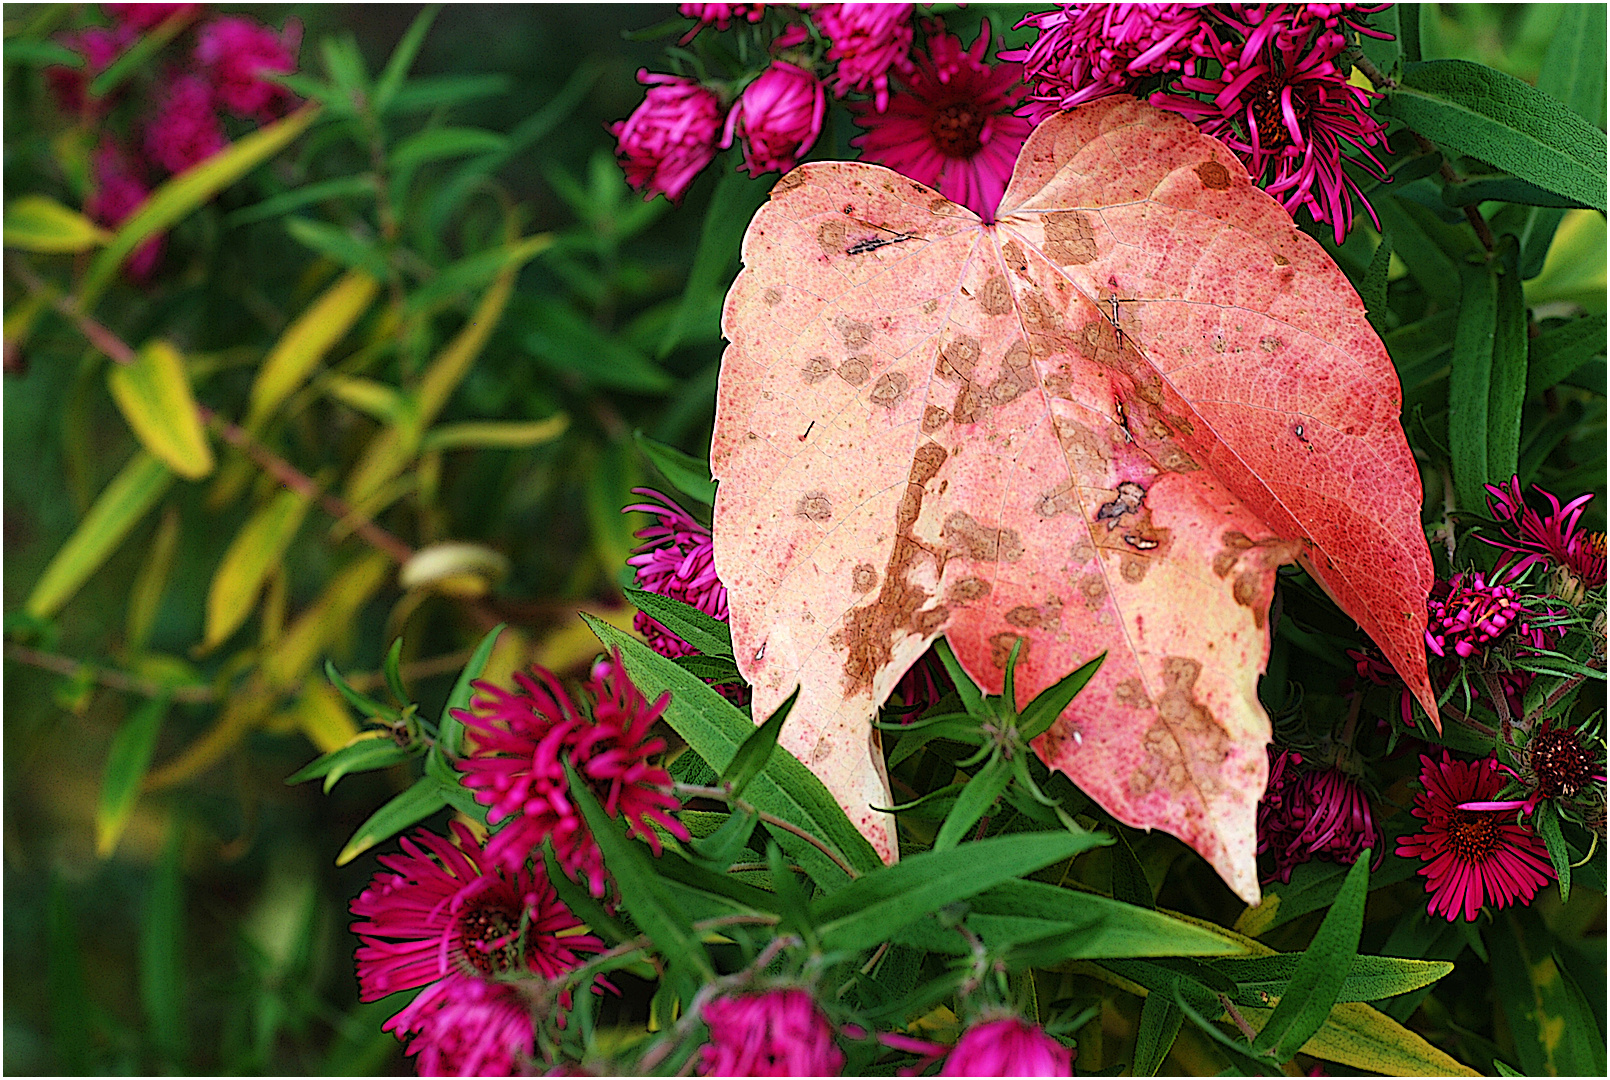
[306, 341]
[241, 713]
[496, 434]
[329, 616]
[444, 374]
[385, 403]
[455, 568]
[182, 194]
[251, 557]
[125, 501]
[324, 717]
[126, 764]
[151, 581]
[35, 223]
[155, 398]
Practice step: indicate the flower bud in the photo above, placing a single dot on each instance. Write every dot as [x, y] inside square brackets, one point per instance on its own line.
[670, 137]
[779, 117]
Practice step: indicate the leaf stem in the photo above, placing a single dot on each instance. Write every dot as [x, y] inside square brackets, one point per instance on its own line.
[721, 794]
[116, 680]
[1236, 1018]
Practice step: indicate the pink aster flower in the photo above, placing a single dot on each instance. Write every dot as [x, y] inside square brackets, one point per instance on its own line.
[776, 1033]
[143, 17]
[1313, 814]
[1467, 615]
[868, 40]
[185, 130]
[1087, 51]
[99, 46]
[676, 559]
[779, 116]
[446, 910]
[1473, 857]
[951, 126]
[522, 740]
[1529, 538]
[1008, 1046]
[669, 138]
[1554, 765]
[236, 53]
[118, 190]
[720, 16]
[1286, 110]
[464, 1026]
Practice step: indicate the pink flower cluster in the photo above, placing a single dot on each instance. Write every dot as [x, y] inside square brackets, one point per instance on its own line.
[774, 1033]
[522, 741]
[1529, 539]
[1313, 814]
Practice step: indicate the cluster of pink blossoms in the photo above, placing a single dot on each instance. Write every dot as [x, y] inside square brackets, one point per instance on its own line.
[224, 73]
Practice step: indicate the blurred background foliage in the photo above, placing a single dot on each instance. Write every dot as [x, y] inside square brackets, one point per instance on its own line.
[199, 925]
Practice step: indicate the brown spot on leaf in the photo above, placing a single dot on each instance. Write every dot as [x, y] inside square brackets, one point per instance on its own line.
[1026, 616]
[1213, 175]
[814, 506]
[830, 235]
[816, 369]
[971, 404]
[1281, 260]
[1069, 239]
[927, 622]
[864, 577]
[889, 389]
[1133, 569]
[1057, 502]
[934, 418]
[1088, 454]
[855, 370]
[1012, 254]
[957, 359]
[856, 334]
[966, 536]
[1093, 587]
[1270, 344]
[1131, 694]
[967, 590]
[996, 297]
[1245, 591]
[926, 462]
[788, 183]
[772, 297]
[1059, 384]
[910, 508]
[1000, 649]
[868, 632]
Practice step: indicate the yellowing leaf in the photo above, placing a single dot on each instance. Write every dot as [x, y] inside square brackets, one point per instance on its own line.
[454, 568]
[304, 641]
[241, 713]
[384, 403]
[324, 717]
[154, 396]
[306, 341]
[497, 434]
[250, 559]
[125, 501]
[36, 223]
[152, 581]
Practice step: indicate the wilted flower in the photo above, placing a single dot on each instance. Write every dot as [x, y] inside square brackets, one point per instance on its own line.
[117, 191]
[1473, 857]
[775, 1033]
[1313, 814]
[1286, 110]
[1087, 51]
[676, 559]
[951, 126]
[143, 17]
[237, 54]
[1008, 1047]
[670, 137]
[1554, 765]
[522, 740]
[1530, 538]
[720, 16]
[779, 116]
[99, 46]
[867, 41]
[185, 131]
[464, 1026]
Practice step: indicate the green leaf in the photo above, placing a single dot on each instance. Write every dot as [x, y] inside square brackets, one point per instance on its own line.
[154, 395]
[450, 729]
[735, 201]
[1368, 978]
[1239, 1052]
[442, 91]
[151, 581]
[1546, 821]
[182, 194]
[409, 807]
[1573, 67]
[126, 763]
[1486, 114]
[1321, 971]
[163, 930]
[339, 245]
[1501, 187]
[1039, 714]
[1160, 1021]
[1556, 1032]
[373, 750]
[437, 143]
[972, 697]
[1129, 882]
[756, 750]
[474, 271]
[709, 635]
[496, 434]
[977, 796]
[1506, 395]
[1470, 382]
[565, 342]
[139, 56]
[715, 730]
[402, 57]
[1372, 290]
[37, 223]
[117, 509]
[451, 783]
[342, 187]
[1557, 353]
[581, 902]
[41, 54]
[688, 474]
[248, 561]
[871, 908]
[640, 887]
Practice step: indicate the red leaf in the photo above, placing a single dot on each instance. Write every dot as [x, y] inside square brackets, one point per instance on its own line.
[1098, 424]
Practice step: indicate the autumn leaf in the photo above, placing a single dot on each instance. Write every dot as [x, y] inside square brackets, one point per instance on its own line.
[1098, 425]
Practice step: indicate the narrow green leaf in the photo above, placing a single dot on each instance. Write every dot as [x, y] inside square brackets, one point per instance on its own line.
[794, 905]
[338, 244]
[37, 223]
[402, 57]
[709, 635]
[154, 396]
[451, 783]
[1129, 882]
[450, 729]
[1495, 117]
[1240, 1052]
[972, 697]
[1556, 354]
[1160, 1021]
[1556, 1032]
[735, 201]
[126, 763]
[640, 888]
[474, 271]
[409, 807]
[1470, 382]
[563, 341]
[151, 581]
[305, 343]
[1506, 395]
[977, 796]
[690, 475]
[756, 750]
[496, 434]
[1039, 714]
[118, 508]
[1409, 16]
[1501, 187]
[248, 561]
[162, 935]
[342, 187]
[581, 902]
[366, 705]
[442, 91]
[434, 144]
[1369, 978]
[1573, 67]
[1372, 290]
[1499, 1066]
[140, 55]
[1547, 823]
[372, 751]
[1321, 971]
[871, 908]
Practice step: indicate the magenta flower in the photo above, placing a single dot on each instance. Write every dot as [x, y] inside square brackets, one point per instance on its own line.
[1529, 538]
[1313, 814]
[779, 116]
[676, 559]
[1008, 1046]
[1473, 857]
[236, 53]
[447, 910]
[720, 16]
[670, 137]
[1286, 110]
[1554, 765]
[143, 17]
[522, 740]
[1087, 51]
[464, 1026]
[1467, 615]
[98, 46]
[951, 127]
[775, 1033]
[868, 40]
[185, 131]
[118, 190]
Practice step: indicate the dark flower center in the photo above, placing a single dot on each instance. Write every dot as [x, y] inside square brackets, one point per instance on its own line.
[1264, 98]
[1473, 835]
[955, 129]
[1560, 763]
[489, 938]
